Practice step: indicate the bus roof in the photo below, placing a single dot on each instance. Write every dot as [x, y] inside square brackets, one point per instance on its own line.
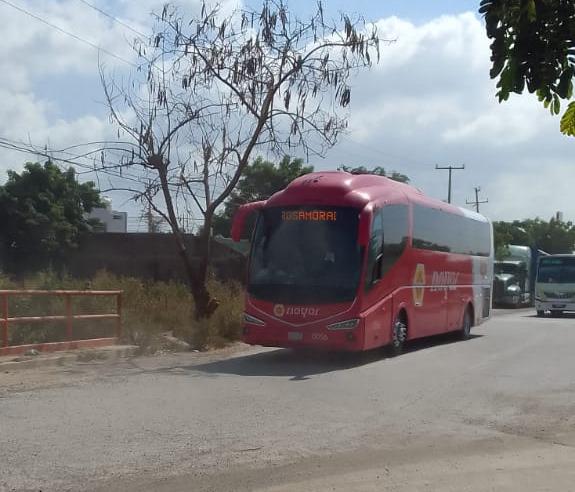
[340, 188]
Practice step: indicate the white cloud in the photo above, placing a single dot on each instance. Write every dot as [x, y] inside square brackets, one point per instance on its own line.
[50, 90]
[540, 189]
[502, 127]
[431, 101]
[39, 63]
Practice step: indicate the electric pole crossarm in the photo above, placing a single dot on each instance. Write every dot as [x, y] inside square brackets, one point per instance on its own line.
[450, 169]
[477, 201]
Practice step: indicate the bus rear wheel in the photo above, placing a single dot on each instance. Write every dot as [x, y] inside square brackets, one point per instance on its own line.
[398, 335]
[465, 331]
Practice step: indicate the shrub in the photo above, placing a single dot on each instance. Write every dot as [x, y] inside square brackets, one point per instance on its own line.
[149, 310]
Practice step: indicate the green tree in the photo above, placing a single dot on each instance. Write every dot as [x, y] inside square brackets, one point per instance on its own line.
[260, 180]
[533, 46]
[554, 236]
[42, 214]
[506, 233]
[379, 171]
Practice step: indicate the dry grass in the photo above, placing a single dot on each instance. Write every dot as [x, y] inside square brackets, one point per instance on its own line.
[149, 309]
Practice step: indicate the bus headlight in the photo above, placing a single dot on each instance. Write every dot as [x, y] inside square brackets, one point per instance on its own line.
[252, 320]
[350, 324]
[513, 288]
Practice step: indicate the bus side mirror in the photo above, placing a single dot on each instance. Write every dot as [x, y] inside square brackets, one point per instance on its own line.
[364, 230]
[240, 218]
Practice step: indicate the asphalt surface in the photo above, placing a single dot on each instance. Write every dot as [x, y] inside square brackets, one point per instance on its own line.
[496, 412]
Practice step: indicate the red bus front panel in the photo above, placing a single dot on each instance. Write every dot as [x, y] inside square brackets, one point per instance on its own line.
[283, 325]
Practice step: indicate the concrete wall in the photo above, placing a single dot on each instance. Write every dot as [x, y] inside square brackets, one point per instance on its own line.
[150, 256]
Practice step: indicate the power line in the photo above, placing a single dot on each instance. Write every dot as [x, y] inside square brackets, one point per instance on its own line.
[450, 169]
[36, 150]
[18, 147]
[67, 33]
[110, 16]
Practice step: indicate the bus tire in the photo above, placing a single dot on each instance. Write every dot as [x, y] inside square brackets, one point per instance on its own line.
[540, 313]
[556, 313]
[465, 331]
[398, 334]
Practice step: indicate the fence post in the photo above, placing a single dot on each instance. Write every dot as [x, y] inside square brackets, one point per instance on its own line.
[119, 312]
[4, 320]
[69, 333]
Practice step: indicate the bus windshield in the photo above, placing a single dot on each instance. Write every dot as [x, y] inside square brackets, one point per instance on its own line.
[557, 271]
[306, 255]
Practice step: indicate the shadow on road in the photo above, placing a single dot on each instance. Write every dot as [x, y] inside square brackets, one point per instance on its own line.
[499, 310]
[528, 312]
[300, 365]
[549, 316]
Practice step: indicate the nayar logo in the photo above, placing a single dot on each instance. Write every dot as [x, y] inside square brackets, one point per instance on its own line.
[279, 310]
[303, 312]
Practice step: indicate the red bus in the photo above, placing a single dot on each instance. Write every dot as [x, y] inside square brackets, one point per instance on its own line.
[354, 262]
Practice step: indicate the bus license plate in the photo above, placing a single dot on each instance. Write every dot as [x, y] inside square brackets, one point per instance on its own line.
[295, 336]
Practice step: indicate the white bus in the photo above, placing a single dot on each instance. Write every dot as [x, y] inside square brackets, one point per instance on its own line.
[555, 285]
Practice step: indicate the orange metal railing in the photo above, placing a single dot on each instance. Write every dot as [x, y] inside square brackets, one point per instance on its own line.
[6, 320]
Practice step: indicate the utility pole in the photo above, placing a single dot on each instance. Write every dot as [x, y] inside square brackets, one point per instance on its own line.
[477, 201]
[450, 169]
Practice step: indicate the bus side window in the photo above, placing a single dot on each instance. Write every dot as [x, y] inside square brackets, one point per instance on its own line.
[375, 250]
[395, 232]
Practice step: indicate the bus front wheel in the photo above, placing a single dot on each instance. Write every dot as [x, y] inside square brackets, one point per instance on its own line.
[540, 313]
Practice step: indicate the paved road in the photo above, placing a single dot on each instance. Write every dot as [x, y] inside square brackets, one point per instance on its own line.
[494, 413]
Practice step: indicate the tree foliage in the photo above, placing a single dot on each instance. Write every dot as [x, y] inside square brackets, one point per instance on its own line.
[212, 89]
[378, 171]
[554, 236]
[261, 179]
[42, 214]
[533, 47]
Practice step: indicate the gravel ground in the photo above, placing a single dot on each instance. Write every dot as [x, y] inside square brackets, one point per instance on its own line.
[492, 413]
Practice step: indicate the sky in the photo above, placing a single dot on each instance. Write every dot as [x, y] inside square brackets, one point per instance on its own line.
[429, 101]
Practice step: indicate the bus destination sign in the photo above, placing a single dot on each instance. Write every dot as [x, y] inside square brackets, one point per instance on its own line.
[309, 215]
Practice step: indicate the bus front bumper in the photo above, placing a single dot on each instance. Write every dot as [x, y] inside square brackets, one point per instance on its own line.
[308, 337]
[557, 305]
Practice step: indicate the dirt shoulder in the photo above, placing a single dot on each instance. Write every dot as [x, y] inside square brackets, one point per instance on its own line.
[501, 463]
[28, 373]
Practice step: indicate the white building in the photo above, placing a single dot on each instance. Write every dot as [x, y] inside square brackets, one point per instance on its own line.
[110, 220]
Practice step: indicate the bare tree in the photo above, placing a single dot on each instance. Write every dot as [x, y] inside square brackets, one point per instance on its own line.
[213, 89]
